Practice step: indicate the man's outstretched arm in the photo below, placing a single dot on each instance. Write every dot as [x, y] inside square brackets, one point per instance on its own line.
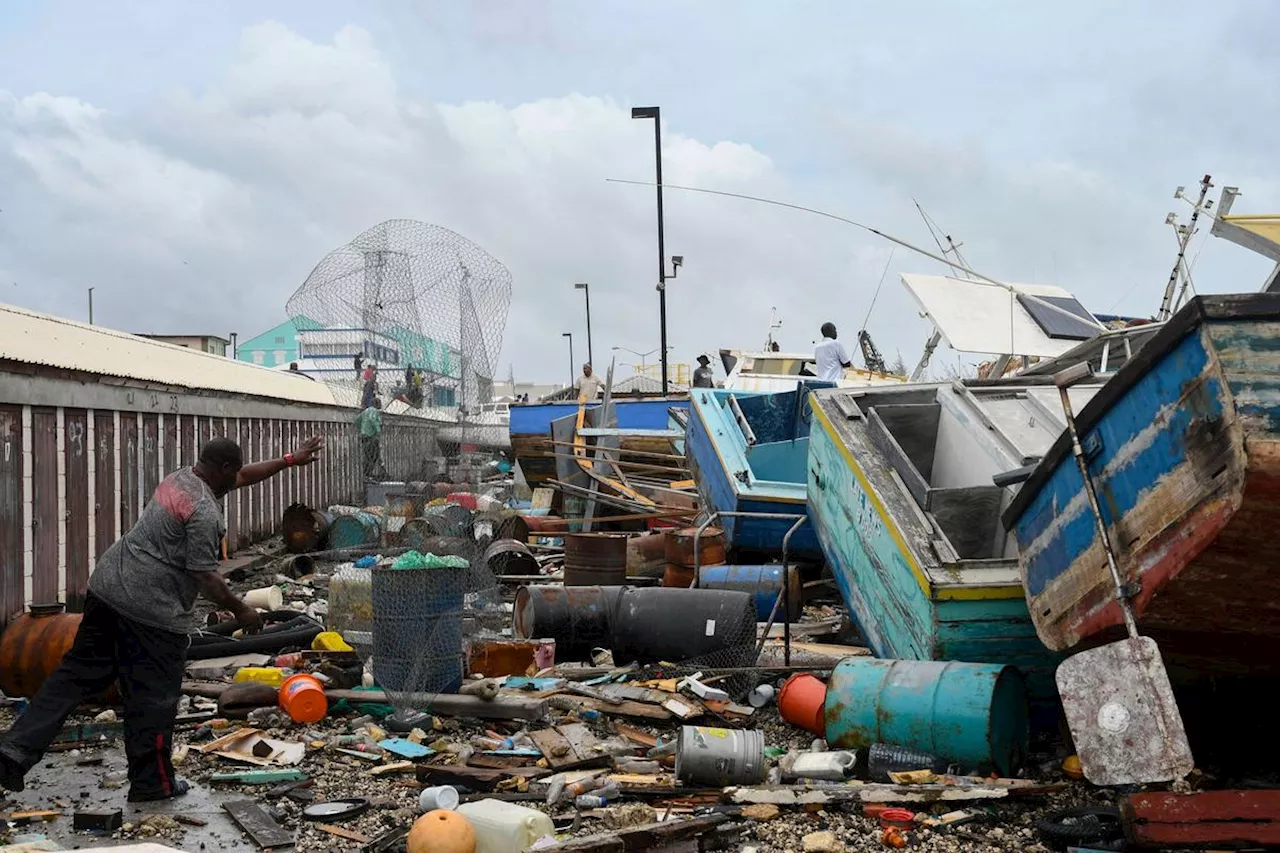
[256, 472]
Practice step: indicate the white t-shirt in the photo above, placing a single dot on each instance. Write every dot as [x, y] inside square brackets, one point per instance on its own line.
[830, 356]
[589, 386]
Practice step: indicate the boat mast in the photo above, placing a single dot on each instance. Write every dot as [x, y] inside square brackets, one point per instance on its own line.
[774, 323]
[950, 250]
[1184, 234]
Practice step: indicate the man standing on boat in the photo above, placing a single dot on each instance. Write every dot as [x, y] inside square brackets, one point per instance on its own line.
[702, 376]
[588, 384]
[830, 355]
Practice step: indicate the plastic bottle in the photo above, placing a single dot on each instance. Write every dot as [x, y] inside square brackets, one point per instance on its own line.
[265, 718]
[830, 766]
[639, 766]
[505, 827]
[883, 759]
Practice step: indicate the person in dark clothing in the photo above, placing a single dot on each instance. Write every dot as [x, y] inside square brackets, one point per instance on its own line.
[138, 614]
[702, 376]
[359, 364]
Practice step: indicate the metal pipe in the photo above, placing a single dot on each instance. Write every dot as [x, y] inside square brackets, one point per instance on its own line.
[747, 432]
[1064, 380]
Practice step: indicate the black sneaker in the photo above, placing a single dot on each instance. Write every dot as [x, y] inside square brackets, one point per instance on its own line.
[11, 774]
[180, 787]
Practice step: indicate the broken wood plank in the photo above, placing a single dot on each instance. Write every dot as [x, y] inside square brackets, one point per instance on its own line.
[800, 795]
[395, 768]
[349, 834]
[626, 709]
[639, 838]
[636, 735]
[569, 746]
[499, 761]
[260, 777]
[476, 778]
[1228, 818]
[505, 707]
[258, 825]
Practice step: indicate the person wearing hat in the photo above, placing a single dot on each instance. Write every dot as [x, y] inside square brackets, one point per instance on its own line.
[702, 375]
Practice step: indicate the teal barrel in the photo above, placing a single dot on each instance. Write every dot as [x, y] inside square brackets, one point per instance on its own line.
[971, 714]
[762, 583]
[354, 531]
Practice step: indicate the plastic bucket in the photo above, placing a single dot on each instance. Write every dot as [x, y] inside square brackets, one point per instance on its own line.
[801, 702]
[302, 698]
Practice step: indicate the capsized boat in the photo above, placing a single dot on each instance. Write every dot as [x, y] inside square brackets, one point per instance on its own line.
[748, 452]
[1183, 444]
[783, 371]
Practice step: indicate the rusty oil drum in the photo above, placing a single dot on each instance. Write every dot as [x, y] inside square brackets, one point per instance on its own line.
[510, 557]
[304, 528]
[680, 556]
[546, 525]
[32, 647]
[595, 559]
[647, 555]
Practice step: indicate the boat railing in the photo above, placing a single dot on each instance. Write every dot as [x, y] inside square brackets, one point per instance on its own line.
[743, 424]
[784, 595]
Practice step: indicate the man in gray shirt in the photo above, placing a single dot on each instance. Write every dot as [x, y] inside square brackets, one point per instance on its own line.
[138, 614]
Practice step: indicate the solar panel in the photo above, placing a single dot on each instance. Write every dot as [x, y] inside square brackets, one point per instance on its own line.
[1079, 327]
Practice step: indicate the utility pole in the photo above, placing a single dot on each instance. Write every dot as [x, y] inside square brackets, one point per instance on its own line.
[91, 306]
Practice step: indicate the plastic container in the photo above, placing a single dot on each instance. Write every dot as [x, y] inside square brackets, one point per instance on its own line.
[269, 675]
[883, 759]
[505, 827]
[801, 701]
[973, 714]
[438, 797]
[720, 757]
[830, 766]
[266, 598]
[351, 600]
[330, 641]
[302, 698]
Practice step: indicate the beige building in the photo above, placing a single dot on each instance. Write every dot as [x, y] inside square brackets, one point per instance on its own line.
[203, 343]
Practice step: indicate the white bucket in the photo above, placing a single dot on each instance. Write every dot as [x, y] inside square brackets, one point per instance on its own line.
[266, 598]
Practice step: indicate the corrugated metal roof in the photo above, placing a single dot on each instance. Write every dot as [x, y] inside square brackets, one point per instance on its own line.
[34, 338]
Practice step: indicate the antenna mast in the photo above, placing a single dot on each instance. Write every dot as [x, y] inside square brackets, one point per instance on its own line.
[958, 269]
[774, 323]
[1184, 234]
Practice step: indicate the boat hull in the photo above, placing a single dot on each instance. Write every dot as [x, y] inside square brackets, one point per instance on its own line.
[871, 538]
[717, 455]
[1184, 448]
[530, 431]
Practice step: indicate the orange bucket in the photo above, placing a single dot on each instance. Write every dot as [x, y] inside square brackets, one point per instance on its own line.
[800, 702]
[302, 698]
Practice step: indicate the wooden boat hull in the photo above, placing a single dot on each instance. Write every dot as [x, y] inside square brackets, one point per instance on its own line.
[905, 601]
[1184, 448]
[530, 430]
[718, 458]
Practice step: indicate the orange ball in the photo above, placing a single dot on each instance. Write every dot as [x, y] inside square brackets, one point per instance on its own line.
[441, 831]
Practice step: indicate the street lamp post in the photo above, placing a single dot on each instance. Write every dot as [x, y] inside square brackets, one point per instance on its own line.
[569, 335]
[586, 291]
[655, 114]
[91, 306]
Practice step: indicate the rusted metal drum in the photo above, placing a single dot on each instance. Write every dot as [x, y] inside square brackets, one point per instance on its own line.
[647, 556]
[578, 618]
[449, 519]
[680, 554]
[651, 625]
[762, 582]
[419, 536]
[595, 559]
[546, 525]
[510, 557]
[32, 647]
[400, 510]
[501, 525]
[304, 528]
[355, 531]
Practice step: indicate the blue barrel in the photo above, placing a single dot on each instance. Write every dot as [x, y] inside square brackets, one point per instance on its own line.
[417, 629]
[971, 714]
[354, 531]
[762, 583]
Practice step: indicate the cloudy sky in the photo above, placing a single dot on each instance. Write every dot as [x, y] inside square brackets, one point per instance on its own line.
[193, 162]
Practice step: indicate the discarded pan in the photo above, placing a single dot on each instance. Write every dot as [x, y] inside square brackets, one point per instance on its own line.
[337, 809]
[1117, 698]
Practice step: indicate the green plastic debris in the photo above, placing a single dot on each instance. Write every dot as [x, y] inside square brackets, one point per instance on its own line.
[416, 560]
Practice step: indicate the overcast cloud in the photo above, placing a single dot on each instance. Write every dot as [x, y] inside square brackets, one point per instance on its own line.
[194, 162]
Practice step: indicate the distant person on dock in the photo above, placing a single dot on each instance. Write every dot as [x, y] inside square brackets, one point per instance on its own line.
[369, 425]
[830, 355]
[588, 384]
[138, 617]
[370, 386]
[359, 363]
[702, 376]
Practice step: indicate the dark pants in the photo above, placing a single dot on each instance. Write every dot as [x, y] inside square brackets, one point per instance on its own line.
[371, 451]
[147, 662]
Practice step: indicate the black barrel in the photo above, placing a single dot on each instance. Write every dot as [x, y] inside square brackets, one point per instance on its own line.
[417, 628]
[578, 618]
[676, 624]
[509, 557]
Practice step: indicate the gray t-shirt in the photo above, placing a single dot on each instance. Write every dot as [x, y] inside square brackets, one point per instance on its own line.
[147, 576]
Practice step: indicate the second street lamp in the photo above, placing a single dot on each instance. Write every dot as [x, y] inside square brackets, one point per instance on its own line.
[569, 335]
[586, 291]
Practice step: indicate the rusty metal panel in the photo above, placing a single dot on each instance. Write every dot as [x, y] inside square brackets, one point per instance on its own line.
[188, 442]
[171, 462]
[11, 528]
[104, 482]
[129, 485]
[150, 456]
[45, 519]
[75, 446]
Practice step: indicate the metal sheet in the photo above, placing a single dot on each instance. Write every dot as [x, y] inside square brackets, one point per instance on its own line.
[11, 528]
[45, 519]
[106, 495]
[1122, 714]
[980, 317]
[129, 484]
[76, 449]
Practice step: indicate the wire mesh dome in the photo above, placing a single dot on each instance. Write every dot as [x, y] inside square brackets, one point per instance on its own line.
[407, 294]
